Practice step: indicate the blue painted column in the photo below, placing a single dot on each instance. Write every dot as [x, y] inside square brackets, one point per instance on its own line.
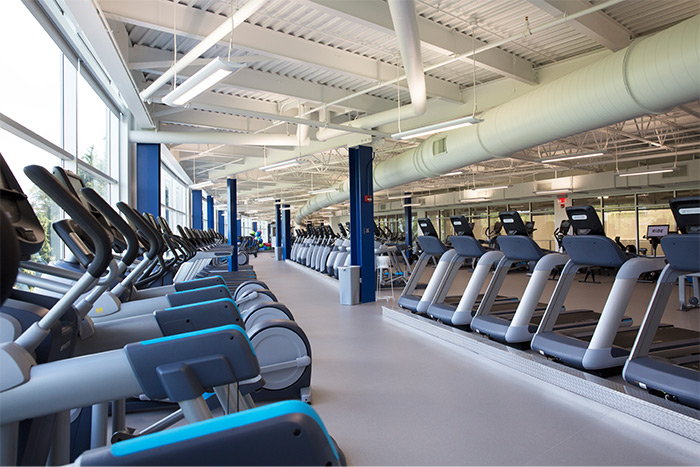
[278, 223]
[361, 219]
[197, 209]
[286, 232]
[408, 220]
[210, 212]
[232, 199]
[221, 222]
[255, 226]
[148, 178]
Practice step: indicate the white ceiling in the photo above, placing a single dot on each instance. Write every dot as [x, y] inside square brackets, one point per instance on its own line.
[314, 52]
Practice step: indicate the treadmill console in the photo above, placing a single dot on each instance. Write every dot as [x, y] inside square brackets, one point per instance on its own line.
[585, 220]
[686, 212]
[657, 231]
[513, 223]
[426, 226]
[343, 232]
[461, 226]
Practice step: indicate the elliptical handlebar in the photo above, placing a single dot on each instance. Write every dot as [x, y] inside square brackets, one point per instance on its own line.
[117, 221]
[78, 212]
[138, 221]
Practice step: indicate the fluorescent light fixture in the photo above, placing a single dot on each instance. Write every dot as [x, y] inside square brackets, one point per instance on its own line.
[553, 191]
[407, 205]
[399, 197]
[459, 172]
[280, 165]
[473, 200]
[497, 187]
[324, 190]
[438, 127]
[647, 172]
[571, 157]
[208, 76]
[288, 208]
[330, 207]
[262, 200]
[200, 185]
[252, 211]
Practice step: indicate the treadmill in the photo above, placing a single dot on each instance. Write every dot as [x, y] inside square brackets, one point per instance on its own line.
[432, 248]
[467, 246]
[519, 327]
[608, 346]
[673, 374]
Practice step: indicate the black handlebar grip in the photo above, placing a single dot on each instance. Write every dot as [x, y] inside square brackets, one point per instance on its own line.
[141, 225]
[117, 221]
[77, 211]
[155, 230]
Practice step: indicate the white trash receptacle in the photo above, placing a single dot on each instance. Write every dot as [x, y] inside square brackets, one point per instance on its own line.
[349, 281]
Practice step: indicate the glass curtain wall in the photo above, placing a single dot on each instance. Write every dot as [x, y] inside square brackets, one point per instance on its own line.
[174, 202]
[52, 104]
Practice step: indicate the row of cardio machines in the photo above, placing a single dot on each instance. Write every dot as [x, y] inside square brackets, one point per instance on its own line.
[188, 345]
[321, 249]
[655, 356]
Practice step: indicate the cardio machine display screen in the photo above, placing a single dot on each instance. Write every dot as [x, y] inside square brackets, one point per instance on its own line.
[657, 230]
[77, 184]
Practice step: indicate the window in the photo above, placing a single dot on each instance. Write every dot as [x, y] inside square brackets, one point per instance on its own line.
[543, 215]
[205, 214]
[43, 94]
[18, 154]
[173, 199]
[93, 128]
[31, 76]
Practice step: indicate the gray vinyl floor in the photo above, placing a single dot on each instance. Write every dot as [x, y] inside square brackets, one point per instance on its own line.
[390, 396]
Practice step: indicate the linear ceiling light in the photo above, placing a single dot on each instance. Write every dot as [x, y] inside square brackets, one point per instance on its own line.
[498, 187]
[200, 185]
[553, 191]
[411, 205]
[262, 200]
[647, 172]
[438, 127]
[570, 157]
[280, 165]
[208, 76]
[324, 190]
[399, 197]
[473, 200]
[459, 172]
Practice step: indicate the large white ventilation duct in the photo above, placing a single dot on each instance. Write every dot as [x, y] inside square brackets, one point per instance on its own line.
[652, 75]
[403, 17]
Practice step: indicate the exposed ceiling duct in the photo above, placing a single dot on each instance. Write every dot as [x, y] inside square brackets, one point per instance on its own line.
[406, 112]
[652, 75]
[403, 16]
